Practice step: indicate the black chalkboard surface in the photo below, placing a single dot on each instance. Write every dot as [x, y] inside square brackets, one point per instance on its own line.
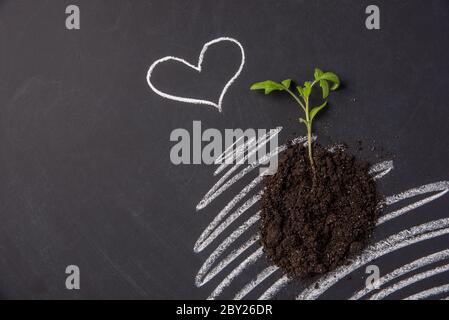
[86, 176]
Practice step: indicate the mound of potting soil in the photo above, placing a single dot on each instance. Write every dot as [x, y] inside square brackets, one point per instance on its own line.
[313, 225]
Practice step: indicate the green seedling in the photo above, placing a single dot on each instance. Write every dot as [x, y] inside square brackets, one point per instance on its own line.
[328, 81]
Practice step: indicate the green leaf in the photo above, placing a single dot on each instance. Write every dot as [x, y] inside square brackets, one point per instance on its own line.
[268, 85]
[307, 90]
[332, 77]
[302, 121]
[300, 90]
[287, 83]
[325, 86]
[318, 74]
[315, 110]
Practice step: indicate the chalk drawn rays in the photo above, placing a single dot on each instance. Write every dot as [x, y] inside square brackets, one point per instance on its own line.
[198, 67]
[222, 221]
[403, 270]
[429, 293]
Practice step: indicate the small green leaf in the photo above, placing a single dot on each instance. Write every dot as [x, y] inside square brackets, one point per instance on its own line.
[325, 86]
[315, 110]
[287, 83]
[301, 92]
[268, 85]
[332, 77]
[302, 121]
[318, 74]
[307, 90]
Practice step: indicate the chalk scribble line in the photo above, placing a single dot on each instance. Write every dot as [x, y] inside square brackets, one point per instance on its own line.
[216, 228]
[267, 272]
[219, 187]
[204, 275]
[429, 293]
[244, 151]
[403, 270]
[441, 187]
[409, 281]
[236, 272]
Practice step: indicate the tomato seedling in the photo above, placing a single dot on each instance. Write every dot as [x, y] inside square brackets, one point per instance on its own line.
[328, 81]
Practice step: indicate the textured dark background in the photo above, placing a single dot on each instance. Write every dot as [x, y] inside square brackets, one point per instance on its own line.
[85, 174]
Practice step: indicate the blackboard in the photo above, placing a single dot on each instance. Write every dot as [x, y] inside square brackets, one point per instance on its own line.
[86, 176]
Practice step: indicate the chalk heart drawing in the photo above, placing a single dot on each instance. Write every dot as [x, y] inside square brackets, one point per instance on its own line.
[198, 68]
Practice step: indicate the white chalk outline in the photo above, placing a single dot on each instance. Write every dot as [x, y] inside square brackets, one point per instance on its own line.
[198, 68]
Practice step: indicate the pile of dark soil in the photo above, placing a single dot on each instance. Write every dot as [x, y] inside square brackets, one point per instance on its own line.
[312, 227]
